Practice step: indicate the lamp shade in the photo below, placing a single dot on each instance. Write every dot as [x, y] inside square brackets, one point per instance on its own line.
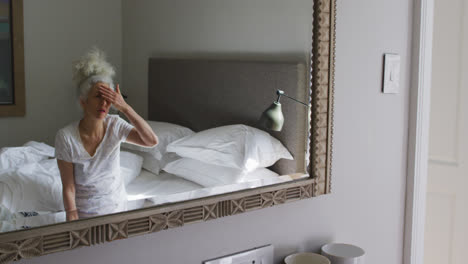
[272, 118]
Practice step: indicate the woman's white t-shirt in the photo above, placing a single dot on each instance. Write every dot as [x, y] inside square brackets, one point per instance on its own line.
[99, 188]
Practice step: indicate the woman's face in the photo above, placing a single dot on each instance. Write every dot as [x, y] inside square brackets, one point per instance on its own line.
[95, 106]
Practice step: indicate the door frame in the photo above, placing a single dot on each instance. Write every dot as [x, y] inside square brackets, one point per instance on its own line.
[418, 132]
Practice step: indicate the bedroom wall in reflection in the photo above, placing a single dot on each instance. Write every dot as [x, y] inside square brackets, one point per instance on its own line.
[6, 88]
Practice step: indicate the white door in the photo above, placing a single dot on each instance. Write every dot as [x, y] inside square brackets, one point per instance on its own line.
[446, 231]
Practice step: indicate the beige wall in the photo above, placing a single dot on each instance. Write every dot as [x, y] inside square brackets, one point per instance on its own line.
[367, 204]
[56, 32]
[240, 29]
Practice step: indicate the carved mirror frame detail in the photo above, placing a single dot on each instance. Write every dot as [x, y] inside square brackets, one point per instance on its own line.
[322, 78]
[86, 232]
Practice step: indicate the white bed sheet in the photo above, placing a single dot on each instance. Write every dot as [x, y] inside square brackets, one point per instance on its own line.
[151, 186]
[148, 185]
[168, 188]
[209, 191]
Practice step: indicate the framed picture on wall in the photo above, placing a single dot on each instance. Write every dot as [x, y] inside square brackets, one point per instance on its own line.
[6, 65]
[12, 90]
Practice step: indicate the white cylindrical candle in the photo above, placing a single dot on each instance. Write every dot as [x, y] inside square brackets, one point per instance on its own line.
[339, 253]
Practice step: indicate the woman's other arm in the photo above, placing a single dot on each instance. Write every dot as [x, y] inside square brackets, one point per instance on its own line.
[68, 189]
[142, 134]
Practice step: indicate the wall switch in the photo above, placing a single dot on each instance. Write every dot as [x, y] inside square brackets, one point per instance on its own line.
[391, 82]
[260, 255]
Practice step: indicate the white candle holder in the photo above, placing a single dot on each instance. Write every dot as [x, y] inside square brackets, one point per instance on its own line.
[306, 258]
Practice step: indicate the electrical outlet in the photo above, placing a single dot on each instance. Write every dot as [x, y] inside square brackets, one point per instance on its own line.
[260, 255]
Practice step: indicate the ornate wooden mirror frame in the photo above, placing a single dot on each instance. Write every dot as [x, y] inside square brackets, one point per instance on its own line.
[86, 232]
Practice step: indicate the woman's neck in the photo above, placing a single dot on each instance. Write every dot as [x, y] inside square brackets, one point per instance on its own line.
[91, 127]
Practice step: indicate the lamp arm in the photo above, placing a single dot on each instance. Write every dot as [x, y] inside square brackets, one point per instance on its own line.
[281, 93]
[296, 100]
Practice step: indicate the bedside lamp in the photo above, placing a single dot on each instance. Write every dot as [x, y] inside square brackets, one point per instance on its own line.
[272, 118]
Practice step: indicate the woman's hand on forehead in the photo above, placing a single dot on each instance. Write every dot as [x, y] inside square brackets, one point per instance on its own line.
[103, 87]
[114, 97]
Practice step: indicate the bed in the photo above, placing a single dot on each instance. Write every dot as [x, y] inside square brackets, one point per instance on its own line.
[186, 98]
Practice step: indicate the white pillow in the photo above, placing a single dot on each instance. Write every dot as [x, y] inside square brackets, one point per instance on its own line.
[152, 164]
[236, 146]
[204, 174]
[166, 133]
[149, 161]
[130, 166]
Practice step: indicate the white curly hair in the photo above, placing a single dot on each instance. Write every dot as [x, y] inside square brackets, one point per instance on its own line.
[91, 69]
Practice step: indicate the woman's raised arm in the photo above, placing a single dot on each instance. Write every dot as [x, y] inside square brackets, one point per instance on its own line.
[142, 134]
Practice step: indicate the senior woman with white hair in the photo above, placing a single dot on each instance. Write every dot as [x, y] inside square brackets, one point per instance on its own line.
[88, 150]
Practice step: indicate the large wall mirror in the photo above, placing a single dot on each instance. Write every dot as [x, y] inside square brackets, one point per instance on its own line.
[201, 73]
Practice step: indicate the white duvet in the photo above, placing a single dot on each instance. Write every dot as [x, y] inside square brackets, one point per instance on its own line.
[31, 188]
[32, 151]
[10, 221]
[30, 178]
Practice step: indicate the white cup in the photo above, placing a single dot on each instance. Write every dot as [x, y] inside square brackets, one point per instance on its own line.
[306, 258]
[343, 253]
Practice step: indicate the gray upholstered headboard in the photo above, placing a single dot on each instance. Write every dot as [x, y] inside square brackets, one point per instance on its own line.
[202, 94]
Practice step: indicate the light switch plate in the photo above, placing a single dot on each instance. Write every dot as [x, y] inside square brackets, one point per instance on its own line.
[259, 255]
[391, 82]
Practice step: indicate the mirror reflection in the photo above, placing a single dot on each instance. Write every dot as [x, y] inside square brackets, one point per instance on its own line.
[152, 102]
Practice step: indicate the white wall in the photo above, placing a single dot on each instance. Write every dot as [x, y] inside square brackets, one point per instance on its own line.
[369, 168]
[240, 29]
[57, 32]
